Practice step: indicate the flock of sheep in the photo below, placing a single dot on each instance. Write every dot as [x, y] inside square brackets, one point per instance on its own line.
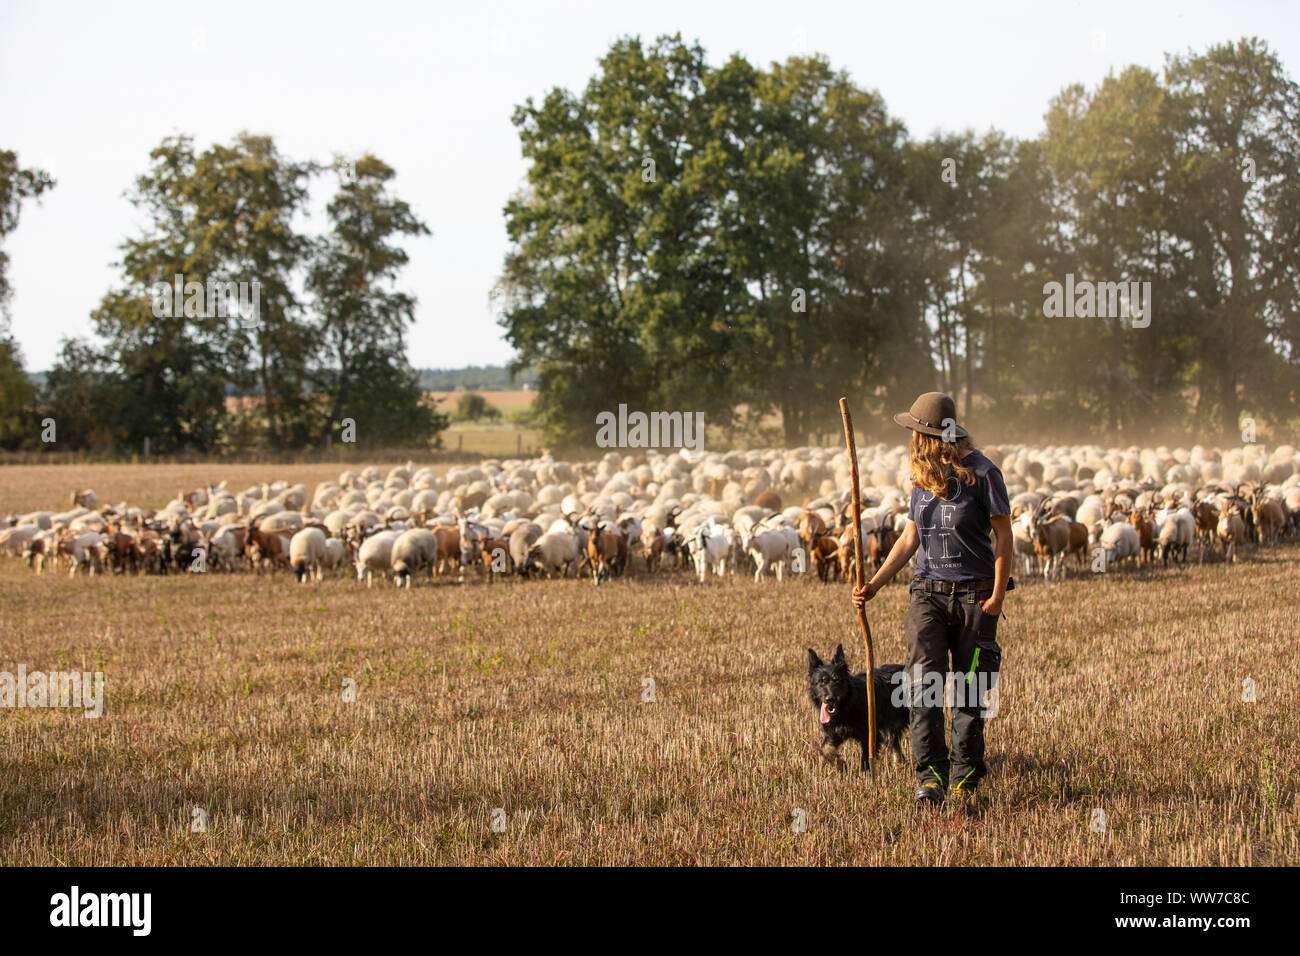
[771, 511]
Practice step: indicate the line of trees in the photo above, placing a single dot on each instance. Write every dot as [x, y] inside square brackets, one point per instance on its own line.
[746, 242]
[489, 377]
[325, 343]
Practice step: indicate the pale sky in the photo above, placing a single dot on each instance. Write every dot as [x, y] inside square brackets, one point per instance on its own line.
[88, 88]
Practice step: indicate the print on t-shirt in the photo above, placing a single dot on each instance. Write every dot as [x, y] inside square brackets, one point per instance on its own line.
[937, 538]
[954, 531]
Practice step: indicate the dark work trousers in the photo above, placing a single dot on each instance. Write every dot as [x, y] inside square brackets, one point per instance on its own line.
[944, 634]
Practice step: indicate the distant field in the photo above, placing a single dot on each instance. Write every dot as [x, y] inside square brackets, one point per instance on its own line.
[523, 702]
[482, 438]
[506, 400]
[503, 442]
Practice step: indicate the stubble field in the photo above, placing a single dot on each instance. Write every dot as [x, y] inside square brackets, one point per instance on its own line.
[507, 725]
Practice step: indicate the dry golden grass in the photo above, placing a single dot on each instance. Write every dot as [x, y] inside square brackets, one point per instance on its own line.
[26, 488]
[508, 400]
[493, 441]
[1122, 692]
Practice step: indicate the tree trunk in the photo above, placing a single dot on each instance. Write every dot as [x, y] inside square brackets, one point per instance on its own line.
[268, 404]
[790, 424]
[968, 361]
[970, 369]
[992, 364]
[1229, 424]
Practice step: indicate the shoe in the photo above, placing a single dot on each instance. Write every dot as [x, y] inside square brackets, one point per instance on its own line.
[964, 792]
[931, 793]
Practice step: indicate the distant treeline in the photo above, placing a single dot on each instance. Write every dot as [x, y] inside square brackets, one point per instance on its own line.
[485, 378]
[744, 241]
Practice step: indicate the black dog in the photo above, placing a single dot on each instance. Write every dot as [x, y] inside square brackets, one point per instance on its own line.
[841, 702]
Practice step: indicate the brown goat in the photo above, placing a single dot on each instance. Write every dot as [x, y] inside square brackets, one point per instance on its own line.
[653, 549]
[1146, 529]
[1269, 518]
[606, 553]
[267, 548]
[1052, 542]
[1207, 520]
[879, 543]
[825, 556]
[448, 548]
[495, 555]
[810, 527]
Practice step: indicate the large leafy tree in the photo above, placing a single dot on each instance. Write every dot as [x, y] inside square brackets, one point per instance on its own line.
[1017, 243]
[600, 277]
[1181, 180]
[221, 215]
[692, 238]
[362, 319]
[239, 202]
[953, 178]
[821, 206]
[1236, 212]
[1112, 152]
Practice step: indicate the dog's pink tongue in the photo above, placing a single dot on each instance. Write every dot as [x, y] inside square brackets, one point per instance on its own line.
[825, 714]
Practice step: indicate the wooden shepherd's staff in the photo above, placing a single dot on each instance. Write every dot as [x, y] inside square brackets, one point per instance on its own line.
[857, 564]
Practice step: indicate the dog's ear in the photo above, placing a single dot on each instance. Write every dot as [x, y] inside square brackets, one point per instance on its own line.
[839, 655]
[814, 661]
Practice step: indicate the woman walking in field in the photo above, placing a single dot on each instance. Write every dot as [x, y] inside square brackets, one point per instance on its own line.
[960, 579]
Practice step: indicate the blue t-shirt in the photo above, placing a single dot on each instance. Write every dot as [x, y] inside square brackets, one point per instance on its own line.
[954, 531]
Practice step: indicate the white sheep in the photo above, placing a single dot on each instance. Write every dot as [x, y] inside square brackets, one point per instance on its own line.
[336, 556]
[1175, 532]
[771, 549]
[414, 551]
[375, 556]
[223, 546]
[1120, 541]
[709, 545]
[87, 551]
[283, 521]
[555, 552]
[13, 540]
[306, 552]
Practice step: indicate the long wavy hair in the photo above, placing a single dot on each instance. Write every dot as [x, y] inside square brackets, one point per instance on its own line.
[934, 459]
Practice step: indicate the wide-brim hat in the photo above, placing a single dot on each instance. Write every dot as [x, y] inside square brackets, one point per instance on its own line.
[933, 413]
